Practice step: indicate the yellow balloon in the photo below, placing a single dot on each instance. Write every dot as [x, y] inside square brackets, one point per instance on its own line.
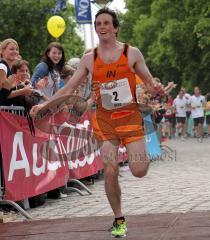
[56, 26]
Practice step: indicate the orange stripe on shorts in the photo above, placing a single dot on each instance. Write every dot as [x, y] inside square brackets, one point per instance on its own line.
[121, 114]
[127, 128]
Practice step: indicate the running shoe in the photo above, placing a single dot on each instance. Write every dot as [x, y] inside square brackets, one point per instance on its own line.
[119, 229]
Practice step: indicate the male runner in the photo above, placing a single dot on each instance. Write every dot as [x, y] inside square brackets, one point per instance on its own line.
[113, 66]
[197, 103]
[180, 106]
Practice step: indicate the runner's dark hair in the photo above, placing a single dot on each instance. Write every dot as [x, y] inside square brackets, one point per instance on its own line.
[105, 10]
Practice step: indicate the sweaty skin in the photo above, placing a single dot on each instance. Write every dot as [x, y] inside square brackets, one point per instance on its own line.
[136, 62]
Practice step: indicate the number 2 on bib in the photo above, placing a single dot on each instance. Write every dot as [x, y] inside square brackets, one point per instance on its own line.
[116, 94]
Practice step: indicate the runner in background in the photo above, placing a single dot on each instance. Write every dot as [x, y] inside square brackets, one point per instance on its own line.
[180, 107]
[197, 102]
[188, 112]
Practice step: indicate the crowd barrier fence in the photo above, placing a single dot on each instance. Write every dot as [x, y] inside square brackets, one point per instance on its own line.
[15, 134]
[20, 111]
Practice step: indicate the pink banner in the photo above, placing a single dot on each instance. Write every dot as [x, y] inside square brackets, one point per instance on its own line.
[27, 172]
[34, 165]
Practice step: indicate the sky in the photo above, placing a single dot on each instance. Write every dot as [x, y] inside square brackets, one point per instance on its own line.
[85, 31]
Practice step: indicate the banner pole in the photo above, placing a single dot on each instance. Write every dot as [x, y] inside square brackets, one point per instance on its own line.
[92, 36]
[85, 36]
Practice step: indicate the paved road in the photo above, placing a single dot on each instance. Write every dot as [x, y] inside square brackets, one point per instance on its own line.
[173, 185]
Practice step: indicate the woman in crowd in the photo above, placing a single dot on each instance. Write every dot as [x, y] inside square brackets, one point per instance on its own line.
[9, 54]
[9, 79]
[47, 73]
[46, 77]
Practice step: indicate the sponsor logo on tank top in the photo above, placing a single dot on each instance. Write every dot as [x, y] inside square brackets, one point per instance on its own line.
[110, 74]
[99, 66]
[121, 65]
[109, 85]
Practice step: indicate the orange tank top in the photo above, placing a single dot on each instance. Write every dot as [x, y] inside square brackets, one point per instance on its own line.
[116, 83]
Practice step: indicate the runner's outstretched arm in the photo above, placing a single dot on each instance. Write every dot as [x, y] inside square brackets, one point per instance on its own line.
[69, 88]
[143, 72]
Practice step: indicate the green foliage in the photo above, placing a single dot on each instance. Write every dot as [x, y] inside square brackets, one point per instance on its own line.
[26, 22]
[174, 37]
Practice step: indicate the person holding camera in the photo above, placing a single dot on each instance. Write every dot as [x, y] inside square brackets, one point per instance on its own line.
[22, 91]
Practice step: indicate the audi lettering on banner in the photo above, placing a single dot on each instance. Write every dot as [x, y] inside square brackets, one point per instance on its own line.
[36, 164]
[83, 11]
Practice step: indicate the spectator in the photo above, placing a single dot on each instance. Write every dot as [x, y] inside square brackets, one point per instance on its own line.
[81, 103]
[169, 115]
[46, 75]
[9, 53]
[85, 87]
[22, 93]
[21, 69]
[74, 62]
[197, 102]
[18, 82]
[66, 73]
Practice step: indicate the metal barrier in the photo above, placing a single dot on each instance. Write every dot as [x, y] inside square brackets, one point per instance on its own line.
[17, 110]
[20, 111]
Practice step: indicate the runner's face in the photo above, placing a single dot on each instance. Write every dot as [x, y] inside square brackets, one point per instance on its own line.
[11, 52]
[55, 55]
[181, 94]
[104, 27]
[196, 91]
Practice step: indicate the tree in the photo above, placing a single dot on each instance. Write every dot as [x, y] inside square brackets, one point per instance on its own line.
[26, 20]
[135, 8]
[174, 38]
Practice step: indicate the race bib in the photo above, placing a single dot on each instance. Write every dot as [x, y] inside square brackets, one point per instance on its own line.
[115, 94]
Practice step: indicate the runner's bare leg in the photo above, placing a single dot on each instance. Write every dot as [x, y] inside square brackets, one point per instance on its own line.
[109, 153]
[137, 158]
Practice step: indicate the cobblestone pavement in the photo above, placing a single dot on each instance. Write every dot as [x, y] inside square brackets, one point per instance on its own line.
[180, 183]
